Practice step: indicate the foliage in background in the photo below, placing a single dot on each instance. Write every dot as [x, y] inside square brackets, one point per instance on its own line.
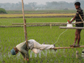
[54, 5]
[2, 11]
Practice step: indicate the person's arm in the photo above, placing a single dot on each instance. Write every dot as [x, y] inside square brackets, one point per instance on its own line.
[22, 48]
[24, 54]
[72, 19]
[77, 14]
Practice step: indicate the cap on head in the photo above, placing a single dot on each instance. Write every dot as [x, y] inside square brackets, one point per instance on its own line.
[77, 3]
[13, 52]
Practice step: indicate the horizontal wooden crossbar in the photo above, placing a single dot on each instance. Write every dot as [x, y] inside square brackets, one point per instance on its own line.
[42, 24]
[11, 26]
[20, 26]
[71, 27]
[39, 23]
[59, 23]
[67, 47]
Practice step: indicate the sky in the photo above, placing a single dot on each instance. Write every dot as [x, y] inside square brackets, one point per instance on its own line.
[38, 1]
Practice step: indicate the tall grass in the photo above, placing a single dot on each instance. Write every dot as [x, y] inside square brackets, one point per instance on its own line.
[10, 37]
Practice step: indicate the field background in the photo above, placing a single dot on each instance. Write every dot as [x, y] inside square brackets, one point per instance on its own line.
[40, 11]
[10, 37]
[35, 15]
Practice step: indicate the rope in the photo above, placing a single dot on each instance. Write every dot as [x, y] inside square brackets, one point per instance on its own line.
[60, 35]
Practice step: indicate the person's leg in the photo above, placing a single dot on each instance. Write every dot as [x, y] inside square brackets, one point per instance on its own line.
[37, 45]
[36, 51]
[76, 37]
[79, 31]
[42, 46]
[47, 46]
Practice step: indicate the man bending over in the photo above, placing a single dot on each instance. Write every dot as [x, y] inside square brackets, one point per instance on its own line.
[33, 45]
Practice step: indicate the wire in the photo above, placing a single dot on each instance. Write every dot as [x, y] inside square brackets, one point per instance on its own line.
[60, 35]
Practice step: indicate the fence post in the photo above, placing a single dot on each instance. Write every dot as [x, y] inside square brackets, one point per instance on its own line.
[50, 25]
[77, 54]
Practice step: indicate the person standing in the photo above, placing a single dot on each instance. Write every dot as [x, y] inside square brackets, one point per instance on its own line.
[78, 19]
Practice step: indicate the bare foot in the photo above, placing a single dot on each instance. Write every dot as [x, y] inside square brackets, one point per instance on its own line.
[72, 45]
[78, 45]
[27, 59]
[24, 59]
[54, 49]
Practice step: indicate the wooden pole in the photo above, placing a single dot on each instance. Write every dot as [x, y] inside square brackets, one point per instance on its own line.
[67, 47]
[47, 23]
[77, 54]
[25, 30]
[81, 18]
[50, 25]
[61, 27]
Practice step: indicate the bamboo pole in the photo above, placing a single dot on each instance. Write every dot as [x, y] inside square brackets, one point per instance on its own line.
[77, 54]
[67, 47]
[50, 25]
[25, 30]
[46, 23]
[81, 18]
[71, 27]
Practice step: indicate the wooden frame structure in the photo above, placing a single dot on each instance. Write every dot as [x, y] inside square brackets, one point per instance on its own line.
[25, 31]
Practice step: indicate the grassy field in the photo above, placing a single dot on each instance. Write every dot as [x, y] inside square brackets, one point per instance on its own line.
[10, 21]
[40, 11]
[34, 15]
[10, 37]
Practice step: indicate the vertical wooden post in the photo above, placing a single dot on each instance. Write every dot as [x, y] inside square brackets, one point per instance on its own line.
[77, 54]
[50, 25]
[25, 30]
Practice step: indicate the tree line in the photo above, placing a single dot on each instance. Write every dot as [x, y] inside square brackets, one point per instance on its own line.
[48, 6]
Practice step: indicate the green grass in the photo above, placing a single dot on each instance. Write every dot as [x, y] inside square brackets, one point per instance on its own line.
[9, 21]
[10, 37]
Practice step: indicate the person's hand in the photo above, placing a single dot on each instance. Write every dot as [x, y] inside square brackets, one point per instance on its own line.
[27, 59]
[69, 21]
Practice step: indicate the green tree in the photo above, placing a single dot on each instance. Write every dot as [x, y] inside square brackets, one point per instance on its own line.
[2, 11]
